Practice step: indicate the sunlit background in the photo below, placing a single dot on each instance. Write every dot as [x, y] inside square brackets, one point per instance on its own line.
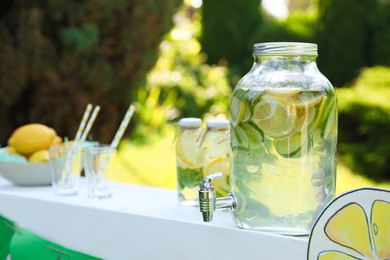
[182, 59]
[277, 8]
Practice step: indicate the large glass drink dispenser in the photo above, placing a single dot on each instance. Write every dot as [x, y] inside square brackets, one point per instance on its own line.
[283, 133]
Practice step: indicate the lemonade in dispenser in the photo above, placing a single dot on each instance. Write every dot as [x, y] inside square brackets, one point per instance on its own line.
[283, 136]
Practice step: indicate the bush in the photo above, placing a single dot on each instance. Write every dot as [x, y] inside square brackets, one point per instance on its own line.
[364, 123]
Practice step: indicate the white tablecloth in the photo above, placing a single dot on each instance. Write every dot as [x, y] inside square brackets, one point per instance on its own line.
[139, 222]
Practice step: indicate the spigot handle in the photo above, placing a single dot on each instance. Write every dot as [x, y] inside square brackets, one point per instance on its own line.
[207, 181]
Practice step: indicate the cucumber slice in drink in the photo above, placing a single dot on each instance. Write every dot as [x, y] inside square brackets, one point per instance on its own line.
[318, 114]
[327, 116]
[330, 124]
[307, 118]
[294, 146]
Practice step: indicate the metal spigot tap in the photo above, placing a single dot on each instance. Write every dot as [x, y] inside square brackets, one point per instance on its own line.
[208, 201]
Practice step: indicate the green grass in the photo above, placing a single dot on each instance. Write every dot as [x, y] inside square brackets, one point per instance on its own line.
[348, 180]
[154, 164]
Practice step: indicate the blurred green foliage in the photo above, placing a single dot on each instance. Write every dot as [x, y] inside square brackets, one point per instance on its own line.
[181, 84]
[226, 30]
[298, 26]
[353, 33]
[381, 36]
[364, 123]
[344, 33]
[83, 38]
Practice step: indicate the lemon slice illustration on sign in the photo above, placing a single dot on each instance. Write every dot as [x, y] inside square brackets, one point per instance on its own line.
[355, 225]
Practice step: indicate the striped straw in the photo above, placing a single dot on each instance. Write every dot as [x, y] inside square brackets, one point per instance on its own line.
[69, 157]
[89, 124]
[117, 138]
[83, 122]
[123, 126]
[70, 160]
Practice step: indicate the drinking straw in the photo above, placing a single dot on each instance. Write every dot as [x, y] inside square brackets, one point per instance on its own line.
[89, 124]
[79, 130]
[83, 122]
[123, 126]
[79, 141]
[117, 138]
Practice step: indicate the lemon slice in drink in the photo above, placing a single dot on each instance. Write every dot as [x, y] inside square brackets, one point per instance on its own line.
[220, 164]
[306, 118]
[274, 117]
[239, 109]
[282, 92]
[330, 123]
[306, 99]
[188, 150]
[319, 113]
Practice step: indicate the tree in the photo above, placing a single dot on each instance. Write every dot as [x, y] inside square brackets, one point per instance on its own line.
[227, 27]
[344, 37]
[381, 33]
[57, 56]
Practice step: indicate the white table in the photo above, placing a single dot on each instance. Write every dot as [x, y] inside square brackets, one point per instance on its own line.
[139, 222]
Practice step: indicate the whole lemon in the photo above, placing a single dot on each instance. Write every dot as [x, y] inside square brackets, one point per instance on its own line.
[57, 140]
[39, 156]
[30, 138]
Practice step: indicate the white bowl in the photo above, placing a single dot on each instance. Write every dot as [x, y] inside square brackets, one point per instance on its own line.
[26, 174]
